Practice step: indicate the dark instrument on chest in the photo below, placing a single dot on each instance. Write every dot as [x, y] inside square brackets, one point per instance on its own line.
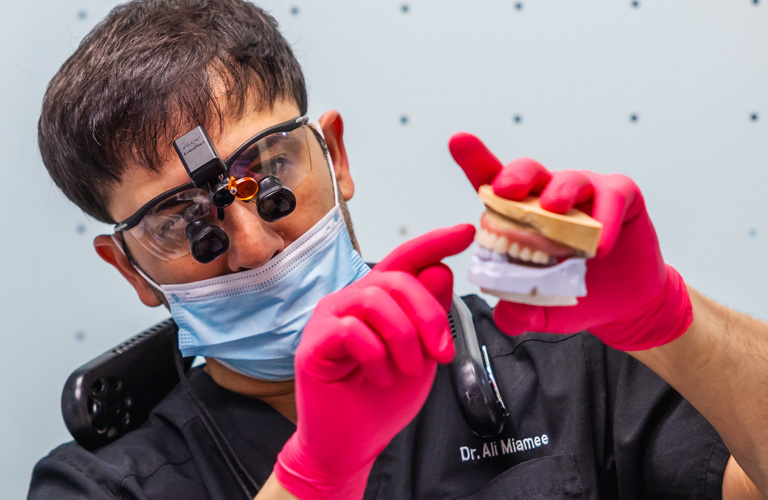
[472, 374]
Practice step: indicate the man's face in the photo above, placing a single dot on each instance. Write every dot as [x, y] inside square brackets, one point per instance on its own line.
[252, 240]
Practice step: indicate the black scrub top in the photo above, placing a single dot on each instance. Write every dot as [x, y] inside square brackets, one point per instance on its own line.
[586, 422]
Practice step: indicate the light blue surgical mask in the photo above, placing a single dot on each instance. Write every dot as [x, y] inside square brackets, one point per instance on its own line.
[252, 321]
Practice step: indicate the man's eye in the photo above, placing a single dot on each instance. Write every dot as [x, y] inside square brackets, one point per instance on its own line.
[195, 211]
[277, 165]
[170, 227]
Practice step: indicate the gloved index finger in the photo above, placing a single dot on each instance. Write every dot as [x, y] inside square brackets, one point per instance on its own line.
[566, 189]
[616, 199]
[477, 161]
[428, 249]
[520, 178]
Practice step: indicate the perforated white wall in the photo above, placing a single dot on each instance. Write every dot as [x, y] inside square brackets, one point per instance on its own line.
[672, 93]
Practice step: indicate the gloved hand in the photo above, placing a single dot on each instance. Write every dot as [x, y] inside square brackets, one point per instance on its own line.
[365, 365]
[634, 301]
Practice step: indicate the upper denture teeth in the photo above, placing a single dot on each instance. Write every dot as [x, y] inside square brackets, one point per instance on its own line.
[501, 245]
[481, 238]
[492, 238]
[539, 257]
[525, 254]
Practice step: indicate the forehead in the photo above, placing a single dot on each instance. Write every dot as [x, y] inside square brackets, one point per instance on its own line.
[139, 185]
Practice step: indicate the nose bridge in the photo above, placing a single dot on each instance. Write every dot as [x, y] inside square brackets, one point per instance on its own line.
[252, 241]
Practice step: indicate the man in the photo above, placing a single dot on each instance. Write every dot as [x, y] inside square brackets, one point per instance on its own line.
[245, 285]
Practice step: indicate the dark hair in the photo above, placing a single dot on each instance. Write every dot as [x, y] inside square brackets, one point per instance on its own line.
[148, 73]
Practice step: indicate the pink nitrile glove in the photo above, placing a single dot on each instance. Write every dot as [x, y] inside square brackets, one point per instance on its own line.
[634, 301]
[365, 365]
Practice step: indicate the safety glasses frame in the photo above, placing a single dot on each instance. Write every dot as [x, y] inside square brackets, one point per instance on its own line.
[135, 219]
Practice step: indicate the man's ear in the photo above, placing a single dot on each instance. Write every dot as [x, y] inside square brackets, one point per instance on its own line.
[333, 130]
[108, 250]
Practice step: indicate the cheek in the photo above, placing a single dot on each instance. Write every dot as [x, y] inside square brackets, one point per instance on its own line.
[184, 270]
[311, 205]
[309, 210]
[314, 197]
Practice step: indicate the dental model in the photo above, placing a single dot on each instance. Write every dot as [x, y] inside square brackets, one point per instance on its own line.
[532, 256]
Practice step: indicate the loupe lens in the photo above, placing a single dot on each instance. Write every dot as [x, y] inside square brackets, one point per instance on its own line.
[220, 195]
[206, 242]
[274, 201]
[208, 249]
[277, 206]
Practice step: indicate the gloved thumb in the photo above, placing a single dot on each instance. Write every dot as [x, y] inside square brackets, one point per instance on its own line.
[438, 279]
